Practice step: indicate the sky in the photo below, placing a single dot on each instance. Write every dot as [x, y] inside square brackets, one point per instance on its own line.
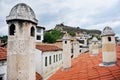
[87, 14]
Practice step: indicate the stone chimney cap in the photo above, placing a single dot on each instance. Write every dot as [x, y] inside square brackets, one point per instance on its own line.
[66, 36]
[94, 39]
[107, 31]
[22, 11]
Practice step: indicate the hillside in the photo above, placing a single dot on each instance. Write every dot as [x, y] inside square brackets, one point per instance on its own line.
[50, 36]
[65, 28]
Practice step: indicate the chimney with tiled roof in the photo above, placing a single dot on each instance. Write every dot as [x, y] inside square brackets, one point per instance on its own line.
[108, 47]
[66, 51]
[21, 43]
[94, 46]
[75, 48]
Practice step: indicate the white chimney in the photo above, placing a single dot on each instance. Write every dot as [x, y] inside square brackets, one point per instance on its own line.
[108, 47]
[94, 46]
[75, 48]
[66, 51]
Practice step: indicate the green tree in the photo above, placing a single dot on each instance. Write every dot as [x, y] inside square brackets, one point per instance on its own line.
[72, 33]
[4, 38]
[52, 36]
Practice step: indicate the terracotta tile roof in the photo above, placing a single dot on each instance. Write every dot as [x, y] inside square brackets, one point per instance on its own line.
[3, 53]
[38, 76]
[86, 67]
[45, 48]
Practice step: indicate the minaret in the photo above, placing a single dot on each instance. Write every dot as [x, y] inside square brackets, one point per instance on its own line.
[108, 47]
[66, 51]
[75, 48]
[94, 46]
[21, 43]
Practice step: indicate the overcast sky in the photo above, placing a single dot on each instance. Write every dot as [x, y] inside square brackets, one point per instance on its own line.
[89, 14]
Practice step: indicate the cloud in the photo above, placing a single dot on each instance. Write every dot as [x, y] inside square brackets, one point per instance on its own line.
[114, 24]
[91, 14]
[4, 30]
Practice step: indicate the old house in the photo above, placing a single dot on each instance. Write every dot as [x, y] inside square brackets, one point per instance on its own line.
[48, 59]
[39, 34]
[82, 38]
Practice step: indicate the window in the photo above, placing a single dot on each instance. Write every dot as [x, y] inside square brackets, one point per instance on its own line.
[59, 57]
[72, 50]
[80, 51]
[81, 41]
[45, 61]
[49, 59]
[12, 29]
[1, 78]
[38, 37]
[54, 58]
[80, 46]
[109, 39]
[32, 32]
[38, 30]
[65, 42]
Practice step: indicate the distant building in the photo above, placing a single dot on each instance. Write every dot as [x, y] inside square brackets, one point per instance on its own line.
[39, 34]
[82, 39]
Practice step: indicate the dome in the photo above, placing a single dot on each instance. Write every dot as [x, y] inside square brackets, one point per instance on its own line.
[107, 31]
[94, 39]
[66, 36]
[22, 11]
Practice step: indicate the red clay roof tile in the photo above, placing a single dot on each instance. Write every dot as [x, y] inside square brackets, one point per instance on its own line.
[38, 76]
[86, 67]
[48, 48]
[3, 53]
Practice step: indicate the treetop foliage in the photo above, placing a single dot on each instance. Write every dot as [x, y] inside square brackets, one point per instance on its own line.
[52, 36]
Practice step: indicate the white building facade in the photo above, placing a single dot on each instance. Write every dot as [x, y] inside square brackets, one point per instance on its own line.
[39, 34]
[3, 70]
[48, 60]
[82, 39]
